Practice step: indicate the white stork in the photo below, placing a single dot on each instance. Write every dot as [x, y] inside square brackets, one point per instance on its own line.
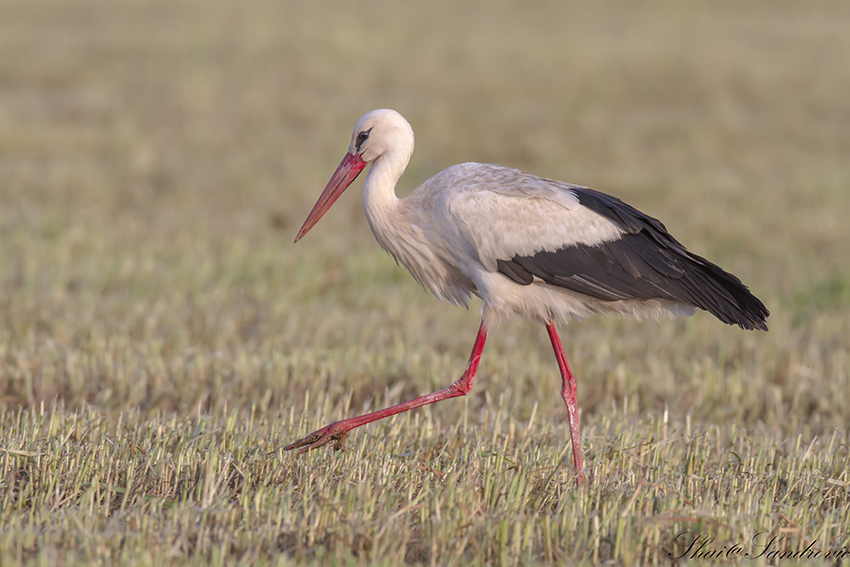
[525, 245]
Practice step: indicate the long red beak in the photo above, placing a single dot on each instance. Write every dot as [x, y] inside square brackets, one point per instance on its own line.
[347, 172]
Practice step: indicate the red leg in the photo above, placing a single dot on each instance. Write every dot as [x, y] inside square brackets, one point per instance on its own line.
[568, 392]
[338, 431]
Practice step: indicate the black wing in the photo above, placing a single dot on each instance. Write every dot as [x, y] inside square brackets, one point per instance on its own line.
[645, 263]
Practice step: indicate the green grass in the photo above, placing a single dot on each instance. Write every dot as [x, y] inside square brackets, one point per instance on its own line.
[162, 339]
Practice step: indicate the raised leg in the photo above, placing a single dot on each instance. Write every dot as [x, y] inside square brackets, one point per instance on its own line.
[568, 392]
[337, 432]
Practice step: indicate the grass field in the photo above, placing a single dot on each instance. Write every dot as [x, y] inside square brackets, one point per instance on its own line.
[162, 339]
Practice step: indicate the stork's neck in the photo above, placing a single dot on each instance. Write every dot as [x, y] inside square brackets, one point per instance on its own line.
[379, 199]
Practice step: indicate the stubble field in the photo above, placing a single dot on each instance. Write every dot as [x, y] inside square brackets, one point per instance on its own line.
[162, 339]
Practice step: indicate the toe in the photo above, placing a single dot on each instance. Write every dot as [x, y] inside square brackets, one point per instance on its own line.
[309, 442]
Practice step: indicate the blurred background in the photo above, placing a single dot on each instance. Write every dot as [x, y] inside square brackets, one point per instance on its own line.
[157, 159]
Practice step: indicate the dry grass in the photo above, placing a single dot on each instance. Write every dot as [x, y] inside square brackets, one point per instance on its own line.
[161, 339]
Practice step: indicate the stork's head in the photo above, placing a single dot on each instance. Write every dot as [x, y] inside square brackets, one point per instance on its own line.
[377, 133]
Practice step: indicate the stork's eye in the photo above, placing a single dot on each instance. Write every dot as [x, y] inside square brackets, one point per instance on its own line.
[362, 137]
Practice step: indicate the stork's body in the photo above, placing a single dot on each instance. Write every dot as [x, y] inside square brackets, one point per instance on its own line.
[528, 246]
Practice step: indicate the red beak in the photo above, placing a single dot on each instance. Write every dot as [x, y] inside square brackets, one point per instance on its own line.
[347, 172]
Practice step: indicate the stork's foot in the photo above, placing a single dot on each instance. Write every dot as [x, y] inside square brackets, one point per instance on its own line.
[580, 479]
[333, 432]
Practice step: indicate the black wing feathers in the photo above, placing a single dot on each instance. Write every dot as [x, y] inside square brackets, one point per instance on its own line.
[515, 272]
[645, 263]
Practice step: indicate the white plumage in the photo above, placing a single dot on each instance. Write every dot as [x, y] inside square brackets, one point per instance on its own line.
[450, 232]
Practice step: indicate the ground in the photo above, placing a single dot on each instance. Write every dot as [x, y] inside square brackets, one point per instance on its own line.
[162, 339]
